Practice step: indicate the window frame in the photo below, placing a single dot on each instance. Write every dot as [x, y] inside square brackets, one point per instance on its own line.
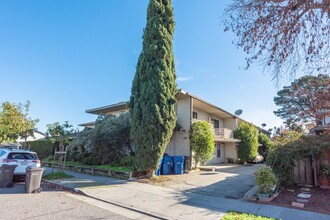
[218, 150]
[195, 115]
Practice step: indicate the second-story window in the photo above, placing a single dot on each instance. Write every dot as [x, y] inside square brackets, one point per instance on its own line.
[195, 115]
[215, 123]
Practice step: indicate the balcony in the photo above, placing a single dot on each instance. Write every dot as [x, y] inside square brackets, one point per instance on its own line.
[221, 134]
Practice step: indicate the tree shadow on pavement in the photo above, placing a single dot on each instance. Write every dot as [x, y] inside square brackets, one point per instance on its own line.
[232, 187]
[224, 194]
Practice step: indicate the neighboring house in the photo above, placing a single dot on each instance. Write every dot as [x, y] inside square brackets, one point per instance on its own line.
[37, 135]
[190, 109]
[323, 125]
[115, 109]
[10, 145]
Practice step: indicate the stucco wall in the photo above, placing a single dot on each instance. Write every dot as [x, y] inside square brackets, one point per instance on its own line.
[204, 116]
[230, 150]
[37, 136]
[180, 143]
[230, 123]
[215, 159]
[118, 112]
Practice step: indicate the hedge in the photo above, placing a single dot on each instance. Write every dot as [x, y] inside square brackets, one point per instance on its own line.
[282, 158]
[44, 148]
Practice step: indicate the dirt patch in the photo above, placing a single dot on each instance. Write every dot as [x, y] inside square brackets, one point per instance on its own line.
[159, 181]
[319, 202]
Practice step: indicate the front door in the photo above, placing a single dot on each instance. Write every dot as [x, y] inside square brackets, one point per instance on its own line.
[218, 154]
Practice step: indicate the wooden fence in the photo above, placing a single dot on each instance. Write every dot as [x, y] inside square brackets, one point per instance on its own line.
[306, 171]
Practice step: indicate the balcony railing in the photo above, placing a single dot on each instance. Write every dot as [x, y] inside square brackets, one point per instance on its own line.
[220, 132]
[223, 133]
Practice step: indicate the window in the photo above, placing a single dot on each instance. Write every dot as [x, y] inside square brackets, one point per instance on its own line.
[22, 156]
[195, 115]
[218, 150]
[2, 153]
[215, 123]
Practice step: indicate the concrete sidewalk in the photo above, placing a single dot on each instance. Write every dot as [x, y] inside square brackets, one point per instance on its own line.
[169, 203]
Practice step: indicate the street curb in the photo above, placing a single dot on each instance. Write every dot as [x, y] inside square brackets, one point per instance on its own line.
[248, 196]
[211, 169]
[62, 187]
[80, 192]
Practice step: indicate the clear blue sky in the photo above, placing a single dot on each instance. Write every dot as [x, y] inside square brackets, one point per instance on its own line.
[69, 56]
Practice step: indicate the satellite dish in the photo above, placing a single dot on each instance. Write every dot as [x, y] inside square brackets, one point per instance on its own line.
[238, 112]
[263, 125]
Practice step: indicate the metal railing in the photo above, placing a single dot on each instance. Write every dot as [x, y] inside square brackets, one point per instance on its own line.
[219, 132]
[223, 132]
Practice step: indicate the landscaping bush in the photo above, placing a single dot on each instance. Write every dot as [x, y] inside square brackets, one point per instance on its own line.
[90, 161]
[244, 216]
[247, 148]
[282, 158]
[201, 141]
[266, 145]
[282, 162]
[44, 148]
[79, 157]
[49, 159]
[106, 144]
[265, 179]
[127, 161]
[325, 171]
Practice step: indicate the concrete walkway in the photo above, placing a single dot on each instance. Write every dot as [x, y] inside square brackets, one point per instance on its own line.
[166, 203]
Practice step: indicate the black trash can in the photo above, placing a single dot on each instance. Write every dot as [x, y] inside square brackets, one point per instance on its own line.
[33, 179]
[6, 175]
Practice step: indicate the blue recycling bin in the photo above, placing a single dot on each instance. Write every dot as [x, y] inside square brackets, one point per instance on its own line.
[178, 164]
[158, 171]
[167, 163]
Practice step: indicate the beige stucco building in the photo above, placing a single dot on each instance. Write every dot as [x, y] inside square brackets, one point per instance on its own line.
[189, 109]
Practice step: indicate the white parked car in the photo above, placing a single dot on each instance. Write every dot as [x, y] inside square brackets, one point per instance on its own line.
[21, 158]
[259, 159]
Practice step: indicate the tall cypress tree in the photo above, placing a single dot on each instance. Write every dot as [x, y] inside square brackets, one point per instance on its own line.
[154, 88]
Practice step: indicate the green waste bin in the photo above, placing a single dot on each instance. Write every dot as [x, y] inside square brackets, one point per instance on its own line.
[6, 175]
[33, 179]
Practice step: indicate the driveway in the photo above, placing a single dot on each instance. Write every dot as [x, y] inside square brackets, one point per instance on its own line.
[228, 181]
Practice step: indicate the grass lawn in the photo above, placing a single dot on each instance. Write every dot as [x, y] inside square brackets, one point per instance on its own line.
[108, 167]
[56, 175]
[244, 216]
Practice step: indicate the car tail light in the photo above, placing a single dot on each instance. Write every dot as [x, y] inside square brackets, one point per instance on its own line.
[36, 161]
[6, 160]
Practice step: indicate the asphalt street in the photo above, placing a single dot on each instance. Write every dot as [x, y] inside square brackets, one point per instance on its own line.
[15, 204]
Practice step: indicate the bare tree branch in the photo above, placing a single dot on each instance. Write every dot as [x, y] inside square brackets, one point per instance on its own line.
[285, 36]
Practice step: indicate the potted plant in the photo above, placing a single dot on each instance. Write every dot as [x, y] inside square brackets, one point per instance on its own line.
[266, 181]
[325, 176]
